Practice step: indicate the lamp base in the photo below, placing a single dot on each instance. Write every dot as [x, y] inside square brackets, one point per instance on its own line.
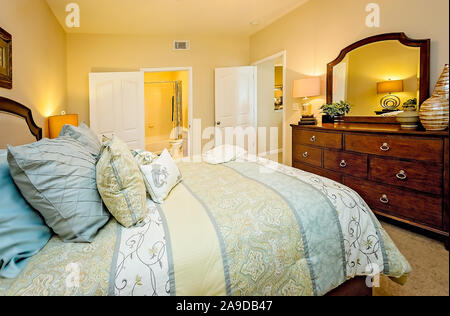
[390, 102]
[308, 120]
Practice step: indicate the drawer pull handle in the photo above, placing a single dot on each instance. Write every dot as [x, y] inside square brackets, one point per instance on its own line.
[402, 175]
[343, 164]
[385, 147]
[313, 139]
[305, 155]
[384, 199]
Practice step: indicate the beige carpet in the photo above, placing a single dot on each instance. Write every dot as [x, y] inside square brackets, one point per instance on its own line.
[429, 261]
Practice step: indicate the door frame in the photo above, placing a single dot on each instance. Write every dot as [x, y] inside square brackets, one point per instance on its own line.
[282, 54]
[191, 96]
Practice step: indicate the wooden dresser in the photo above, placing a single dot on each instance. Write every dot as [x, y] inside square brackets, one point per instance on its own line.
[403, 175]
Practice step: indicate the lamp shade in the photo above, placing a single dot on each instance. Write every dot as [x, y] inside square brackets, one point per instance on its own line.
[390, 86]
[56, 123]
[309, 87]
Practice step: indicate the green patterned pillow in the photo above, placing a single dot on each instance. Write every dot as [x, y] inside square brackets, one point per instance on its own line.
[120, 183]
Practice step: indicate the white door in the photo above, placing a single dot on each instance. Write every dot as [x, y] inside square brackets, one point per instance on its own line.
[117, 106]
[236, 103]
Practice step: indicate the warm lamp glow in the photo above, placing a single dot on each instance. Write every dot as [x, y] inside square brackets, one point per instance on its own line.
[56, 123]
[309, 87]
[390, 86]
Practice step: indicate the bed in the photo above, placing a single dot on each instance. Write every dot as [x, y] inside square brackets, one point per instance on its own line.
[247, 228]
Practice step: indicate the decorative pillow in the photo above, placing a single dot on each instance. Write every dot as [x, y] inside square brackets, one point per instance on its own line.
[57, 178]
[161, 177]
[223, 154]
[120, 183]
[144, 157]
[23, 232]
[84, 135]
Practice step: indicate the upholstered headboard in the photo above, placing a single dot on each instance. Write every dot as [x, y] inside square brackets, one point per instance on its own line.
[10, 107]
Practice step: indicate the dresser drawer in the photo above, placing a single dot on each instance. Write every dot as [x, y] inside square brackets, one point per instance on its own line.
[319, 171]
[347, 163]
[329, 140]
[416, 207]
[307, 154]
[414, 175]
[396, 146]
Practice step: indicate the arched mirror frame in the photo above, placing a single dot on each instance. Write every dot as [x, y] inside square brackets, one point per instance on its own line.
[424, 45]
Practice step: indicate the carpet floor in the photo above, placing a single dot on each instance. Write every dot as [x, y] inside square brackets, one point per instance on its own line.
[429, 260]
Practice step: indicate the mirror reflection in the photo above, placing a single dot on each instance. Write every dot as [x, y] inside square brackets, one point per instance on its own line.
[378, 78]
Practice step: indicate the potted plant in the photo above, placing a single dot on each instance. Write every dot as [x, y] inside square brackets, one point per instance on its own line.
[334, 112]
[409, 118]
[410, 105]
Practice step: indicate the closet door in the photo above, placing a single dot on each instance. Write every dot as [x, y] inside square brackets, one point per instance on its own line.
[236, 102]
[117, 106]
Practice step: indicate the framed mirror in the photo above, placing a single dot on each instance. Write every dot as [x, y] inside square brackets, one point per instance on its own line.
[379, 74]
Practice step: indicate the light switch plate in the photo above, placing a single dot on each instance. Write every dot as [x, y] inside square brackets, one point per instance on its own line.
[295, 107]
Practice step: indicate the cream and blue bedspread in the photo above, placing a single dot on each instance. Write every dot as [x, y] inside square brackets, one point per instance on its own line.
[242, 228]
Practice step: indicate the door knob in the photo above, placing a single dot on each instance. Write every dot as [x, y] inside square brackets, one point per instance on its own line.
[218, 123]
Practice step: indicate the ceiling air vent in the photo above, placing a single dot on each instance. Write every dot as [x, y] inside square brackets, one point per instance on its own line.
[182, 45]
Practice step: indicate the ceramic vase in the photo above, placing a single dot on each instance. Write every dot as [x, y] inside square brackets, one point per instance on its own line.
[442, 86]
[434, 112]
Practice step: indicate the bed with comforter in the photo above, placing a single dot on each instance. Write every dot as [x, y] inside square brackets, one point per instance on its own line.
[241, 228]
[81, 217]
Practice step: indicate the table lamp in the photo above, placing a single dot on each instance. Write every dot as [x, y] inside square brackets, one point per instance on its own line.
[56, 123]
[304, 88]
[390, 102]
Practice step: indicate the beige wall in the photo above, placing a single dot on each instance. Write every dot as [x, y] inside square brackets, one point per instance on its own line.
[314, 34]
[97, 53]
[39, 59]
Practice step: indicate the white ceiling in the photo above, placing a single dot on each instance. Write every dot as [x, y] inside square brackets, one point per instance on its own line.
[174, 16]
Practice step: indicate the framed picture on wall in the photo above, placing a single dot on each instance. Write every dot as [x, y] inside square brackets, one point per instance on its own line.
[5, 59]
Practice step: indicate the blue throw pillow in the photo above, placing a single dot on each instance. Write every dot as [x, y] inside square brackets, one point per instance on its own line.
[84, 135]
[23, 232]
[58, 178]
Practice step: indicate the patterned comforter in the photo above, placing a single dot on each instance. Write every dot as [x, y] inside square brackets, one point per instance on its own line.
[242, 228]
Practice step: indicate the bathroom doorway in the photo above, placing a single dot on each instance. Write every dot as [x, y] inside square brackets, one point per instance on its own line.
[271, 105]
[167, 111]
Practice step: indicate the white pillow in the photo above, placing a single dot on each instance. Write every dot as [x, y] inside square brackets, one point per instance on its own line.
[161, 176]
[223, 154]
[144, 157]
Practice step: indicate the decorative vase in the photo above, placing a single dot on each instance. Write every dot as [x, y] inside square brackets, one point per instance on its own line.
[434, 112]
[442, 86]
[408, 119]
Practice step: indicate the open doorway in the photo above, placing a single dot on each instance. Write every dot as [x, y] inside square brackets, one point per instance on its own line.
[168, 104]
[271, 104]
